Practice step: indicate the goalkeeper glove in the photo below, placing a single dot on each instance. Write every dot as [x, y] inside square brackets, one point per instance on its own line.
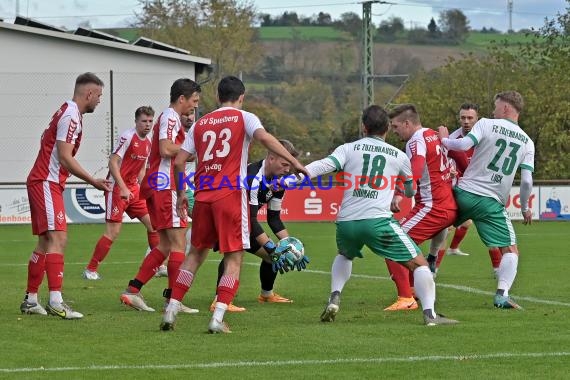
[277, 262]
[302, 264]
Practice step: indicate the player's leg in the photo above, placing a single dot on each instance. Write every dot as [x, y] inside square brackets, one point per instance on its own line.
[417, 224]
[176, 236]
[204, 236]
[441, 252]
[267, 276]
[36, 271]
[232, 229]
[495, 256]
[458, 237]
[231, 307]
[495, 230]
[50, 207]
[349, 244]
[403, 249]
[434, 250]
[156, 256]
[102, 248]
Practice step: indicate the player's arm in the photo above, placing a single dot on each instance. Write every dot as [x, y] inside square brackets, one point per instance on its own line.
[463, 144]
[187, 149]
[167, 148]
[115, 169]
[274, 215]
[525, 192]
[256, 229]
[142, 172]
[65, 156]
[272, 144]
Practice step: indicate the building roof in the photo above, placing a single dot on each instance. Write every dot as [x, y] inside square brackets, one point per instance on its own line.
[95, 38]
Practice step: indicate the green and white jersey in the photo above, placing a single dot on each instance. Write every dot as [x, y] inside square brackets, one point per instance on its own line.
[369, 169]
[501, 146]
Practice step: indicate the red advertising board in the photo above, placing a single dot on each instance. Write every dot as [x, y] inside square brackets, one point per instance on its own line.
[317, 205]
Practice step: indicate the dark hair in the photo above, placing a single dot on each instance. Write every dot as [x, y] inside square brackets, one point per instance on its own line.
[144, 110]
[470, 106]
[513, 98]
[375, 119]
[230, 89]
[409, 112]
[183, 87]
[288, 145]
[88, 78]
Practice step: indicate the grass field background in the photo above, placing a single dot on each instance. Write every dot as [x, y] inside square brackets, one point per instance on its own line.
[287, 341]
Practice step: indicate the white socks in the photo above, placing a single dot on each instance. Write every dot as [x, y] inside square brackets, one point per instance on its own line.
[507, 271]
[425, 287]
[340, 273]
[55, 297]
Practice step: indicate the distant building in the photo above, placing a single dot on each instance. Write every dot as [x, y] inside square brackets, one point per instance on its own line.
[37, 72]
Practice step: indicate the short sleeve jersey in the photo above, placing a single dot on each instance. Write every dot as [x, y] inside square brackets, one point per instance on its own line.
[65, 125]
[161, 169]
[370, 168]
[133, 151]
[220, 140]
[501, 147]
[434, 186]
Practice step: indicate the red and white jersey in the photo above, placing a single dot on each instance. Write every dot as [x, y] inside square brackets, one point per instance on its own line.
[458, 134]
[65, 125]
[134, 151]
[161, 169]
[434, 186]
[221, 141]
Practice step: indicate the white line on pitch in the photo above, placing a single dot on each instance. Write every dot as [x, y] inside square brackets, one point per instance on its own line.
[281, 363]
[462, 288]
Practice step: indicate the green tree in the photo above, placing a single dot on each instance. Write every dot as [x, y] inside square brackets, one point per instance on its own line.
[388, 30]
[537, 69]
[350, 22]
[454, 25]
[218, 29]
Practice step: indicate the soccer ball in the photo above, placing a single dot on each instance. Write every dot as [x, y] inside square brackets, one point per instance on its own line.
[293, 246]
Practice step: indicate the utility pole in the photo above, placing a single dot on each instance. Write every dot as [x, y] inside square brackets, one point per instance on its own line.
[367, 74]
[510, 11]
[367, 54]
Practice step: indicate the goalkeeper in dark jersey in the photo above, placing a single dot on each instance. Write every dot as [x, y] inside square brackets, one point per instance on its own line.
[263, 180]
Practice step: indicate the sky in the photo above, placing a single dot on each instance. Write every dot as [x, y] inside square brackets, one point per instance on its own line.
[416, 13]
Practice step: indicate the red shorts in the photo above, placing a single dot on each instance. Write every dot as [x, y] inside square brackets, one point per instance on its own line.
[424, 222]
[225, 221]
[162, 211]
[116, 206]
[46, 207]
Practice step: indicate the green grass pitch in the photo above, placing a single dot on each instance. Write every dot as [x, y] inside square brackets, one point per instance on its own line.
[287, 341]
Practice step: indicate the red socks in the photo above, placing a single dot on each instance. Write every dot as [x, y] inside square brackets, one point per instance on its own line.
[153, 239]
[36, 270]
[440, 255]
[174, 261]
[146, 271]
[54, 270]
[495, 255]
[101, 250]
[183, 282]
[458, 237]
[227, 289]
[401, 276]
